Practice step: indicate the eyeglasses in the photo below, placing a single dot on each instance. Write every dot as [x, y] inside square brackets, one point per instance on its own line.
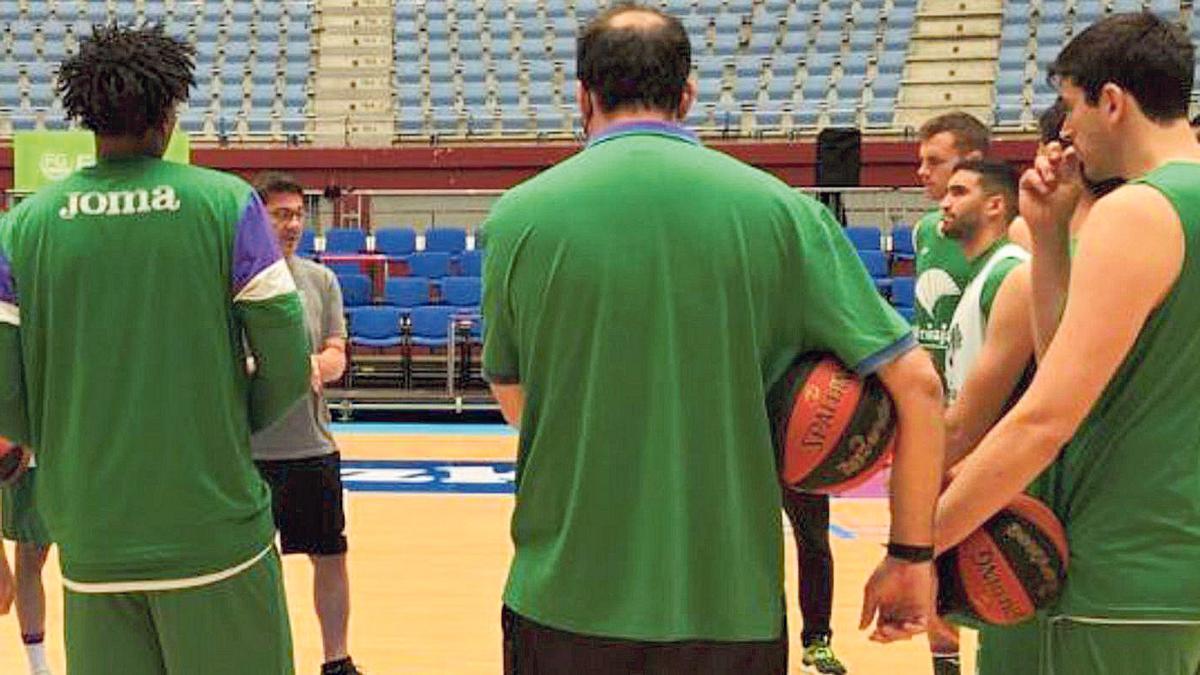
[283, 215]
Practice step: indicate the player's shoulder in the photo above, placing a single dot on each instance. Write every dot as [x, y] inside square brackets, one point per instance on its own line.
[203, 180]
[1152, 206]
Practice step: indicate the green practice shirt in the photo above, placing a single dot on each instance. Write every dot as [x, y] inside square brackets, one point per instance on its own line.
[125, 290]
[1129, 486]
[645, 294]
[942, 273]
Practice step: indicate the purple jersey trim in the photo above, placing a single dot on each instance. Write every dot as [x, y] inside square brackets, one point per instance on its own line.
[254, 246]
[8, 286]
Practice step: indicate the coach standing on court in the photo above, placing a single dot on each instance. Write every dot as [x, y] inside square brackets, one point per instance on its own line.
[297, 455]
[640, 298]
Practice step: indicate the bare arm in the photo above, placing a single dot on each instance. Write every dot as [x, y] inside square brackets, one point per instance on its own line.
[1050, 273]
[901, 593]
[512, 402]
[917, 470]
[1007, 348]
[331, 360]
[1143, 262]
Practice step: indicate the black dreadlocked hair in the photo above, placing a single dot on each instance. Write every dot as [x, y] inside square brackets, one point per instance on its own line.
[124, 81]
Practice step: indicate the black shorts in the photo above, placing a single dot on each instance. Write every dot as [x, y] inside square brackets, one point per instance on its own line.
[306, 499]
[533, 649]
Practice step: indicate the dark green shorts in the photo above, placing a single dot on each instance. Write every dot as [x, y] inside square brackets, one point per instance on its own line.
[238, 626]
[1077, 648]
[20, 520]
[1004, 650]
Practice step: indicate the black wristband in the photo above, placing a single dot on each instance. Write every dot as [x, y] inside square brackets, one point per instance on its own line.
[914, 554]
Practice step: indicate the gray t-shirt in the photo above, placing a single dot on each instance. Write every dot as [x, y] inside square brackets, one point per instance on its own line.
[304, 430]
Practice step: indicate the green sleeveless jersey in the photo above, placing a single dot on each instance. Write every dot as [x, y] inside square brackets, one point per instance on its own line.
[942, 273]
[1129, 492]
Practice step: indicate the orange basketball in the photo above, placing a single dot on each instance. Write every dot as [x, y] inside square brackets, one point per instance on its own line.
[1006, 570]
[832, 429]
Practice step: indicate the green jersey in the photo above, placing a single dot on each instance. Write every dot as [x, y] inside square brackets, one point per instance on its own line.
[942, 273]
[645, 294]
[1129, 489]
[125, 290]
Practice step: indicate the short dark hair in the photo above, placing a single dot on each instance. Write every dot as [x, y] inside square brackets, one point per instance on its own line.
[125, 81]
[1050, 122]
[270, 183]
[996, 177]
[635, 67]
[970, 135]
[1145, 55]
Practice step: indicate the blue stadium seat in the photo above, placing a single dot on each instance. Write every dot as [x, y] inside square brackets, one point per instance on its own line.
[306, 248]
[470, 263]
[445, 240]
[877, 266]
[345, 240]
[376, 326]
[462, 291]
[865, 238]
[903, 291]
[431, 325]
[10, 75]
[908, 313]
[356, 289]
[396, 241]
[10, 10]
[406, 292]
[902, 243]
[427, 264]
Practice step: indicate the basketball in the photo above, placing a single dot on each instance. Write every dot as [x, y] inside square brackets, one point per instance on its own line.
[14, 459]
[832, 429]
[1006, 570]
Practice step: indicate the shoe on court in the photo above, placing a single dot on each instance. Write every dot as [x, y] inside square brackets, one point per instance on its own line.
[819, 658]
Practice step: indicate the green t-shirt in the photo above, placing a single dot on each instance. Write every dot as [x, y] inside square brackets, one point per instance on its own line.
[942, 273]
[1129, 490]
[645, 294]
[125, 290]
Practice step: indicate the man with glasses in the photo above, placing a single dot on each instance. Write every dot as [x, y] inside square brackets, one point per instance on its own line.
[297, 455]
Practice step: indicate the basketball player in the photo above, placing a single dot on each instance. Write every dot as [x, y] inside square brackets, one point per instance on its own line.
[991, 343]
[297, 455]
[127, 288]
[990, 355]
[640, 298]
[22, 524]
[1114, 386]
[942, 271]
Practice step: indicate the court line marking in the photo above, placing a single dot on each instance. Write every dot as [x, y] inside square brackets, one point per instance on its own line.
[386, 428]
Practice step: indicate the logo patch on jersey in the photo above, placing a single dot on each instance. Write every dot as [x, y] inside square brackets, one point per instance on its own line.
[934, 285]
[120, 203]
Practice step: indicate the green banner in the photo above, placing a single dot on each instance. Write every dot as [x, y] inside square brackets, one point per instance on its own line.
[44, 157]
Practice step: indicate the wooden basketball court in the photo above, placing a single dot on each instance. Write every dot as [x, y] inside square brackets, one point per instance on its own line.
[428, 517]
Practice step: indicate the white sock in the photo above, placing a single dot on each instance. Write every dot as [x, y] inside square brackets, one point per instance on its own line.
[37, 658]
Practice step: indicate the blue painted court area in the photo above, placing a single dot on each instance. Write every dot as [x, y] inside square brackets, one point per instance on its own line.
[448, 477]
[423, 476]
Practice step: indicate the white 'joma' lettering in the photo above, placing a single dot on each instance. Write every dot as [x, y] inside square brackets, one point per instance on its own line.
[120, 203]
